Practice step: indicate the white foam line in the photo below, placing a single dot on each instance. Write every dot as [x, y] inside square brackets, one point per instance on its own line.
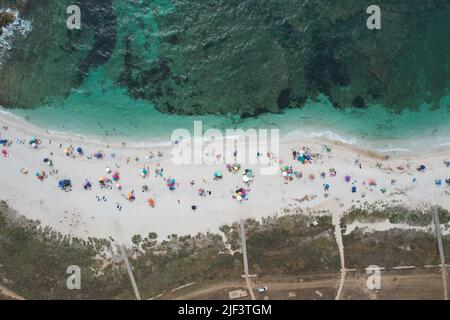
[18, 27]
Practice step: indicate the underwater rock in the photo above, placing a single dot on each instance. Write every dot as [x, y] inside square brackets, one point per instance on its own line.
[51, 61]
[242, 57]
[6, 18]
[248, 57]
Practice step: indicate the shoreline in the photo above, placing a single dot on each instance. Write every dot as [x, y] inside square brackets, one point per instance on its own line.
[286, 138]
[79, 213]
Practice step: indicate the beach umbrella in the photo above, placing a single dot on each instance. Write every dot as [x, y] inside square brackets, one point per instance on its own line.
[64, 184]
[87, 185]
[116, 176]
[348, 178]
[130, 196]
[98, 155]
[79, 150]
[218, 174]
[40, 175]
[107, 170]
[151, 202]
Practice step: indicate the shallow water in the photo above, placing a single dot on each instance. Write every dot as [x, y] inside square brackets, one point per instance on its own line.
[101, 108]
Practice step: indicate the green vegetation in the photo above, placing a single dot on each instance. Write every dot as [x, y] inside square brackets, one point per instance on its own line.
[291, 244]
[286, 245]
[394, 247]
[396, 215]
[160, 267]
[390, 248]
[34, 260]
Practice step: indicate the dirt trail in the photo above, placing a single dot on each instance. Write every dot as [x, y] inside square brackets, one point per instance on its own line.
[211, 289]
[274, 287]
[10, 294]
[437, 225]
[340, 244]
[130, 272]
[244, 254]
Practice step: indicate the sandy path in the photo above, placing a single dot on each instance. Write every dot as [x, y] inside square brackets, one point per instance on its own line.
[444, 271]
[338, 236]
[274, 286]
[245, 259]
[130, 272]
[10, 294]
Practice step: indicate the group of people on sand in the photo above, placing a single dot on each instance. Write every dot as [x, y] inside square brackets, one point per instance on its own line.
[302, 158]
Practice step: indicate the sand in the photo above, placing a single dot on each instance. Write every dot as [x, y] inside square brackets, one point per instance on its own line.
[78, 213]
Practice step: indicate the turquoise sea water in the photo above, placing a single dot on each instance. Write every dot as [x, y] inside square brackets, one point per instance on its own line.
[99, 107]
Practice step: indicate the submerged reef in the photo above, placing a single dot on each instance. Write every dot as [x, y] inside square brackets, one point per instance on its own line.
[236, 56]
[6, 18]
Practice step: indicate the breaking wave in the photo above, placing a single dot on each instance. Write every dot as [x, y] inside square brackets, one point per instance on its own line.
[19, 28]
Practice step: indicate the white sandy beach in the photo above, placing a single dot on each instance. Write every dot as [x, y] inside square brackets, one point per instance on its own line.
[79, 213]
